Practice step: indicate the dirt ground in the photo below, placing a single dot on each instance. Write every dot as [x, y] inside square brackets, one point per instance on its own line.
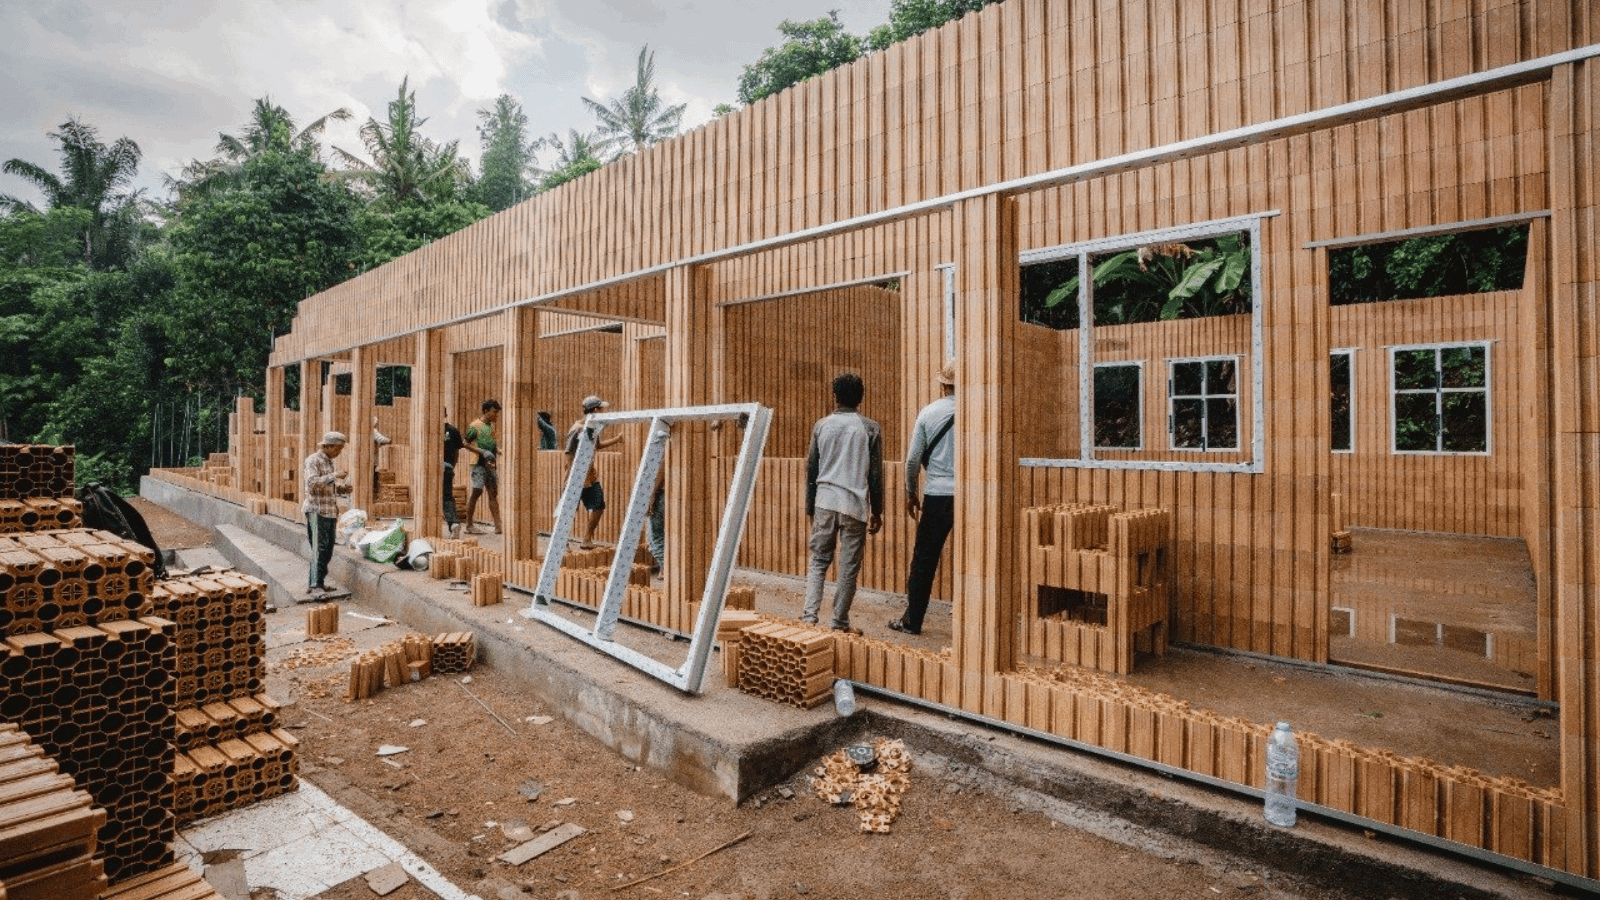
[457, 792]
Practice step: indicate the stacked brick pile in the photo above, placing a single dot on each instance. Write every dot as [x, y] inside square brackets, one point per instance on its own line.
[231, 752]
[99, 700]
[48, 828]
[36, 489]
[730, 631]
[322, 620]
[221, 634]
[786, 663]
[394, 499]
[55, 579]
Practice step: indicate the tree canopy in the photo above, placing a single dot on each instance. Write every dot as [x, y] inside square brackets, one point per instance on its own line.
[405, 166]
[810, 48]
[93, 178]
[639, 117]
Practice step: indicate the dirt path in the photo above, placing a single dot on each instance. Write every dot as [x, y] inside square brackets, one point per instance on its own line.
[457, 791]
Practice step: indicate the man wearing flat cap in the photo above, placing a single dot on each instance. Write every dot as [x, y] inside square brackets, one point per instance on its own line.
[323, 485]
[593, 496]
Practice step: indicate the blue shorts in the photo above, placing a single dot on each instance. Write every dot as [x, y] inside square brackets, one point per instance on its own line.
[593, 497]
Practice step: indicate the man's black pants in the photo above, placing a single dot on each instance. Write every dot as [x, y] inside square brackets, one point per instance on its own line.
[319, 530]
[933, 527]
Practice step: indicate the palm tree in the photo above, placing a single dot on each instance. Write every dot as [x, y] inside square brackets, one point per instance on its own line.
[405, 165]
[270, 128]
[638, 117]
[578, 155]
[91, 176]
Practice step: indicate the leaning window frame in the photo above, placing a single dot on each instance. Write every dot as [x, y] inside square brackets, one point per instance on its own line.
[1487, 390]
[1250, 222]
[1138, 366]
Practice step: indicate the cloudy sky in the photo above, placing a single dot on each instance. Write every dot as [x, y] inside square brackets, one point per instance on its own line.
[172, 74]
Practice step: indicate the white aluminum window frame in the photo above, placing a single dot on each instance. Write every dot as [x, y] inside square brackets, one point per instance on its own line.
[1138, 366]
[689, 676]
[1350, 354]
[1204, 398]
[1487, 390]
[1254, 463]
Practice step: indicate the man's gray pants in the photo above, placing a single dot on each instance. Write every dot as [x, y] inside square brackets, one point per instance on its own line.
[850, 534]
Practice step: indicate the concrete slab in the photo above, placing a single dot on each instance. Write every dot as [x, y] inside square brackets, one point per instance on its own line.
[303, 843]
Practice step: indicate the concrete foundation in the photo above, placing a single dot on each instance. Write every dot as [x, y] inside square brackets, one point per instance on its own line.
[726, 743]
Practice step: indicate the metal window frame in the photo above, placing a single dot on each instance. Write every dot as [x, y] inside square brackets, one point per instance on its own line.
[1250, 222]
[1203, 396]
[1138, 365]
[1351, 353]
[1487, 390]
[949, 309]
[688, 677]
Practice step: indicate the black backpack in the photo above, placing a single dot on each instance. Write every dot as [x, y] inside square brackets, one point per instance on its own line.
[105, 510]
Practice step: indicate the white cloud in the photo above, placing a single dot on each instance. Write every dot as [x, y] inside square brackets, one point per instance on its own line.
[172, 74]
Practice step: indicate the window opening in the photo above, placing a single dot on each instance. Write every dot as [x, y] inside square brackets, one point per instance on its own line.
[1118, 406]
[1204, 412]
[1128, 299]
[392, 382]
[342, 384]
[1435, 265]
[291, 386]
[1441, 398]
[1341, 397]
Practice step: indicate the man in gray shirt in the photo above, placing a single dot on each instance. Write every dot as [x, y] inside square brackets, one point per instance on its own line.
[844, 497]
[932, 448]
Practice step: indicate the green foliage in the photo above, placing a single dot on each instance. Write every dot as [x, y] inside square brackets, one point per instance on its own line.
[638, 118]
[909, 18]
[92, 176]
[1156, 282]
[270, 128]
[246, 257]
[508, 155]
[1467, 262]
[386, 235]
[809, 48]
[569, 172]
[406, 166]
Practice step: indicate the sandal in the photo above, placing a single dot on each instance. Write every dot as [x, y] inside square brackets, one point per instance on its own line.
[900, 626]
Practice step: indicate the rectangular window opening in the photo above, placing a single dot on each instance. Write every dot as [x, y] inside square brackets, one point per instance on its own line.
[1204, 398]
[1435, 265]
[1441, 398]
[1341, 396]
[1068, 605]
[1118, 406]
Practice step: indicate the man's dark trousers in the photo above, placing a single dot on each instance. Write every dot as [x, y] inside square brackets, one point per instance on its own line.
[933, 527]
[319, 530]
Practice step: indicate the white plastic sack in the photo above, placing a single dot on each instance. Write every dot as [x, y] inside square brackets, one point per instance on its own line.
[419, 553]
[351, 522]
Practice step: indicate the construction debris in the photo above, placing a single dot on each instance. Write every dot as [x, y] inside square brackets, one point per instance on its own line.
[875, 794]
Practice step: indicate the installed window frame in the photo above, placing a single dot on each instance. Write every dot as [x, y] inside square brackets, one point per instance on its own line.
[1138, 399]
[1255, 460]
[1349, 353]
[1205, 398]
[1439, 392]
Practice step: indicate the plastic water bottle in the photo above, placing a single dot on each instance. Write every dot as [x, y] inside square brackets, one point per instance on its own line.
[844, 697]
[1283, 773]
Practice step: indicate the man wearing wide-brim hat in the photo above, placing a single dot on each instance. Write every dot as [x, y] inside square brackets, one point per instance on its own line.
[323, 484]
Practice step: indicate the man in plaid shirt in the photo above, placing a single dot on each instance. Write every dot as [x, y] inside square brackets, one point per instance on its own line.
[323, 485]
